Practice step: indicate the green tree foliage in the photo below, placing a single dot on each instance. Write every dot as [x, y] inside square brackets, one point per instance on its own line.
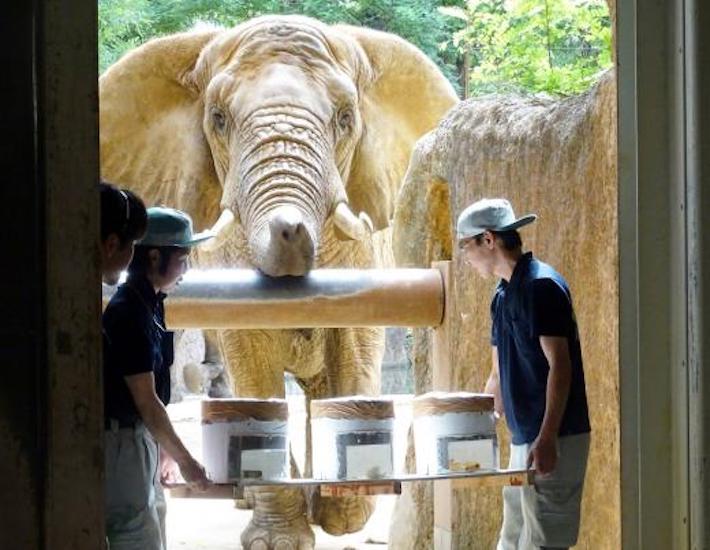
[553, 46]
[123, 24]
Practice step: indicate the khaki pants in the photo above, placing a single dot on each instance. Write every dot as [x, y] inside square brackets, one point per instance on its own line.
[135, 504]
[546, 514]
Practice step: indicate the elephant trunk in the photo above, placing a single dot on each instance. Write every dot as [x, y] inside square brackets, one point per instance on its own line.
[286, 181]
[285, 245]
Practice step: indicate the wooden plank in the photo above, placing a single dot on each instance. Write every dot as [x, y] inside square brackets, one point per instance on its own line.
[442, 369]
[515, 479]
[216, 491]
[361, 487]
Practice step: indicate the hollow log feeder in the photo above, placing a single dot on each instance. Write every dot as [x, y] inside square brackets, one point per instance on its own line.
[326, 298]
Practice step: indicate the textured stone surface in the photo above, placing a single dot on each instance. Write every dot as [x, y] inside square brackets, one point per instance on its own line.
[189, 374]
[557, 159]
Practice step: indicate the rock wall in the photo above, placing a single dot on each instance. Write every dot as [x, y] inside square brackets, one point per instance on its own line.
[556, 158]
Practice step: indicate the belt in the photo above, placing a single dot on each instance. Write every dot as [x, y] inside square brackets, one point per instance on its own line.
[113, 424]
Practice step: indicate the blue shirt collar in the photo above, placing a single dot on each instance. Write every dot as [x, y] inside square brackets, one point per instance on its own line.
[144, 287]
[519, 271]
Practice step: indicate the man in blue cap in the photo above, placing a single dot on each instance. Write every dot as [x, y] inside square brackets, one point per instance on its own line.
[537, 378]
[137, 364]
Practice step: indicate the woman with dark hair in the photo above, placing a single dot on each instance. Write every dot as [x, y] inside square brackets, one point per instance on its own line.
[123, 222]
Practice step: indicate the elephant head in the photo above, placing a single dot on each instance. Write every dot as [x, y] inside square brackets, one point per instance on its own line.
[270, 129]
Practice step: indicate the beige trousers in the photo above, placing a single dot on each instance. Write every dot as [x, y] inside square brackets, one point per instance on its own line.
[135, 503]
[547, 513]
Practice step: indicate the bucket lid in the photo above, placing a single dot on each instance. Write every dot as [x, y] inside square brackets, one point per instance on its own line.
[239, 409]
[434, 403]
[356, 407]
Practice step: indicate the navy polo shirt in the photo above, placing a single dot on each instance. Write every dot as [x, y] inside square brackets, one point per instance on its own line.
[135, 342]
[535, 302]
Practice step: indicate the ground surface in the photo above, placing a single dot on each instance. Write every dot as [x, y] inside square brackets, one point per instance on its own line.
[196, 524]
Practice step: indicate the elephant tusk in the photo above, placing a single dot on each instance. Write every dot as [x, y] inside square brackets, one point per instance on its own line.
[226, 219]
[352, 226]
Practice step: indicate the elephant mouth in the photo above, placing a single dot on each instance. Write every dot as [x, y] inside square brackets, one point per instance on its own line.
[285, 245]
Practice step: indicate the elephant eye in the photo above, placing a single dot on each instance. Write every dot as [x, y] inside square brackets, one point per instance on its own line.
[219, 120]
[345, 118]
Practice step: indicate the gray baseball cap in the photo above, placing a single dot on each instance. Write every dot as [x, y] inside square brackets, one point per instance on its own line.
[170, 227]
[489, 215]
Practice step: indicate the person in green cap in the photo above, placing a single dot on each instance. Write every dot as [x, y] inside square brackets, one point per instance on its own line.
[139, 436]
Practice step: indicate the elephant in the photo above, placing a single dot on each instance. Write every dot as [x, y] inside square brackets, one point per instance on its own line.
[290, 138]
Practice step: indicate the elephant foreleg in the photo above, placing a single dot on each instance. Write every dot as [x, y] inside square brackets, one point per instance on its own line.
[219, 385]
[278, 523]
[353, 357]
[279, 518]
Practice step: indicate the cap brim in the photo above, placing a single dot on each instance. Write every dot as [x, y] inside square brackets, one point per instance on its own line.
[198, 238]
[471, 235]
[476, 231]
[520, 222]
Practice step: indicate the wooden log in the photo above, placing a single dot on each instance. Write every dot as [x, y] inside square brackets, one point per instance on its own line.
[327, 298]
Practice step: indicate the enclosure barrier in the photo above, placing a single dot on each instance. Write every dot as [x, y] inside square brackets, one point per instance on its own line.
[327, 298]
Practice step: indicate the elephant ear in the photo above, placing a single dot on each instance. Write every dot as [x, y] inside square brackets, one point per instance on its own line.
[151, 127]
[402, 98]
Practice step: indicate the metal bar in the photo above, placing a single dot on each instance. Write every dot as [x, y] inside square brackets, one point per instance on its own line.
[328, 298]
[362, 487]
[697, 59]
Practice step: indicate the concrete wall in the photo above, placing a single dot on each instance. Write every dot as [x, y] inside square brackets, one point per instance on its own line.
[21, 289]
[50, 398]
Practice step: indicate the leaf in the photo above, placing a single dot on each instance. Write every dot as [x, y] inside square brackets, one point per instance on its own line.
[452, 11]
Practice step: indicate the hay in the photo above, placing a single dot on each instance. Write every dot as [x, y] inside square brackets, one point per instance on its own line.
[557, 159]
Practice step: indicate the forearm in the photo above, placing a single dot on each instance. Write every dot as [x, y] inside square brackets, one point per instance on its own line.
[558, 385]
[156, 419]
[493, 383]
[493, 387]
